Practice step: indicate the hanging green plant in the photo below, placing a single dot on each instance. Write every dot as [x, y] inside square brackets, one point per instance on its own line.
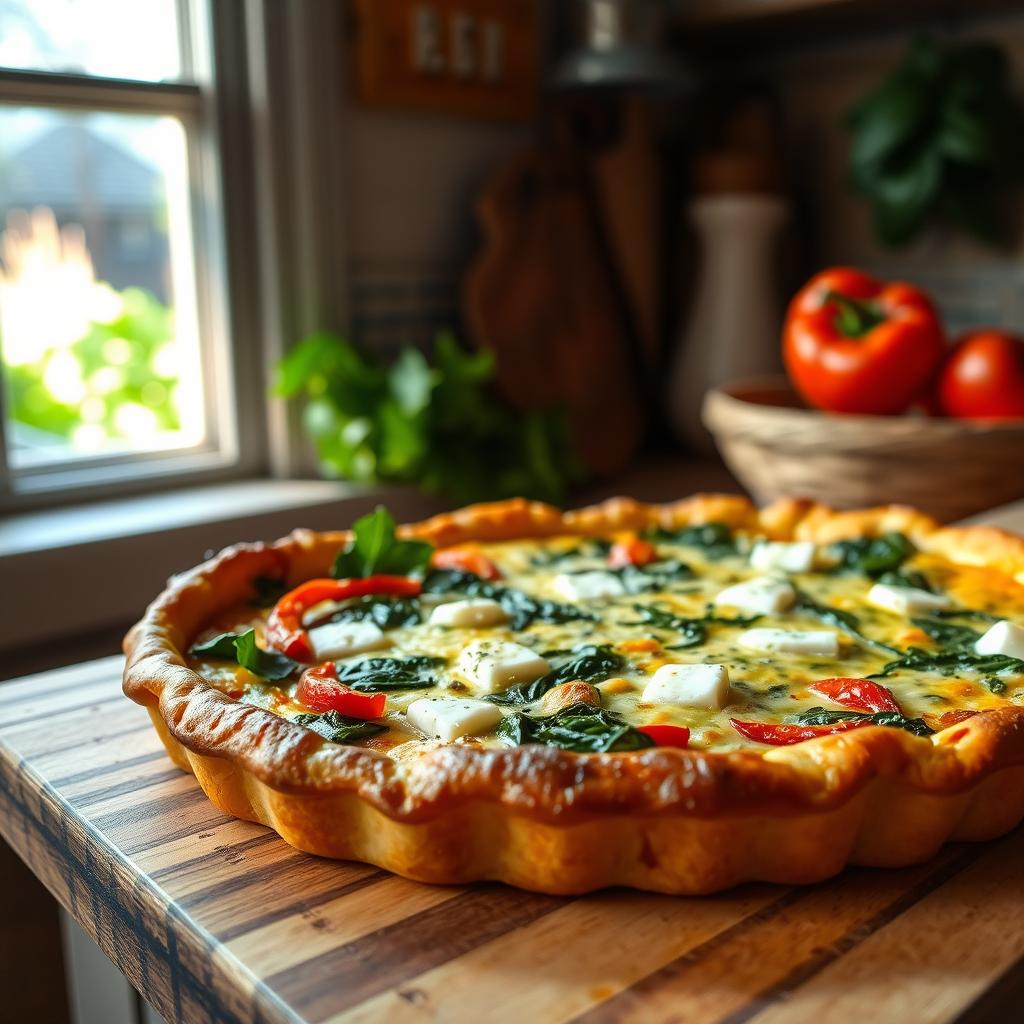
[436, 424]
[942, 138]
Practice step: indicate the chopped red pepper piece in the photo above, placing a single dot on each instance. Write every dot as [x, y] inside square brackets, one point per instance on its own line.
[858, 694]
[783, 734]
[666, 735]
[632, 551]
[320, 690]
[466, 558]
[285, 631]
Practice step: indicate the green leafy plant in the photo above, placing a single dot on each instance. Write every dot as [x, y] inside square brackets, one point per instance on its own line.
[119, 367]
[436, 424]
[941, 137]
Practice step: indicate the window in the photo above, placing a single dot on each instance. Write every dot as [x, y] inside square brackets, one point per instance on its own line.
[114, 363]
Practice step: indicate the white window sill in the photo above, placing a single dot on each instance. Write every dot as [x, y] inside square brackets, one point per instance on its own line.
[68, 571]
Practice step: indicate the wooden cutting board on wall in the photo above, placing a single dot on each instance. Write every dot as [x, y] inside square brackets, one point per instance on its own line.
[543, 296]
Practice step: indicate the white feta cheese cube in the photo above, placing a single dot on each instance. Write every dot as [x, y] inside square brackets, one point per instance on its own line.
[906, 600]
[763, 595]
[494, 665]
[448, 718]
[785, 641]
[588, 586]
[339, 639]
[474, 611]
[771, 555]
[1003, 638]
[695, 686]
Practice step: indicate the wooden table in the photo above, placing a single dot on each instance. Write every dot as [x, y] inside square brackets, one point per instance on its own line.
[214, 919]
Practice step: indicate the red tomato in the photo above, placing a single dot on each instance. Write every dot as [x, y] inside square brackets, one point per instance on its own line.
[857, 345]
[632, 551]
[983, 378]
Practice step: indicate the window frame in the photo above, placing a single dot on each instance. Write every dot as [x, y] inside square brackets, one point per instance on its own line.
[212, 42]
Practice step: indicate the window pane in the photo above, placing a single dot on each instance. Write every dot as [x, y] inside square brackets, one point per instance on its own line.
[98, 326]
[114, 38]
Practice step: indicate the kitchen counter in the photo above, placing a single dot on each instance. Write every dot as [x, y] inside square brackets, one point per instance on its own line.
[214, 919]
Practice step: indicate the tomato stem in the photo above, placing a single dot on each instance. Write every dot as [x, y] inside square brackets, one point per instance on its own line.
[854, 317]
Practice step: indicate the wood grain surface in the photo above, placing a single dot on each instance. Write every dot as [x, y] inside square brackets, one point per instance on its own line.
[218, 920]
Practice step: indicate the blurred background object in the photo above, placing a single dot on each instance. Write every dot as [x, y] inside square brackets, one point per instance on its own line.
[263, 265]
[735, 316]
[618, 45]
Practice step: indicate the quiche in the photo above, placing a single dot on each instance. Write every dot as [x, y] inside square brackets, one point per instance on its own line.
[676, 698]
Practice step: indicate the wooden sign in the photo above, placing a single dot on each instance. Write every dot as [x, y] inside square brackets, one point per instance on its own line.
[474, 57]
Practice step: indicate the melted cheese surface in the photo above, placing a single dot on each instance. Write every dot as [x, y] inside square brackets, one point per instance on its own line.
[768, 687]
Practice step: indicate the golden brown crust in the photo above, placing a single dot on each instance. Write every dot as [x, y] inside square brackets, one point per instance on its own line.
[256, 764]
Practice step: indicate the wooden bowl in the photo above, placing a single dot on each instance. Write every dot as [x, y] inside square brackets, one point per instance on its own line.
[777, 448]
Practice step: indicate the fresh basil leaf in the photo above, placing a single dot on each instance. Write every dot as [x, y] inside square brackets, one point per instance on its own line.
[822, 716]
[268, 664]
[715, 539]
[376, 675]
[243, 649]
[950, 663]
[267, 590]
[339, 728]
[581, 727]
[846, 621]
[386, 612]
[222, 646]
[375, 550]
[873, 556]
[589, 663]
